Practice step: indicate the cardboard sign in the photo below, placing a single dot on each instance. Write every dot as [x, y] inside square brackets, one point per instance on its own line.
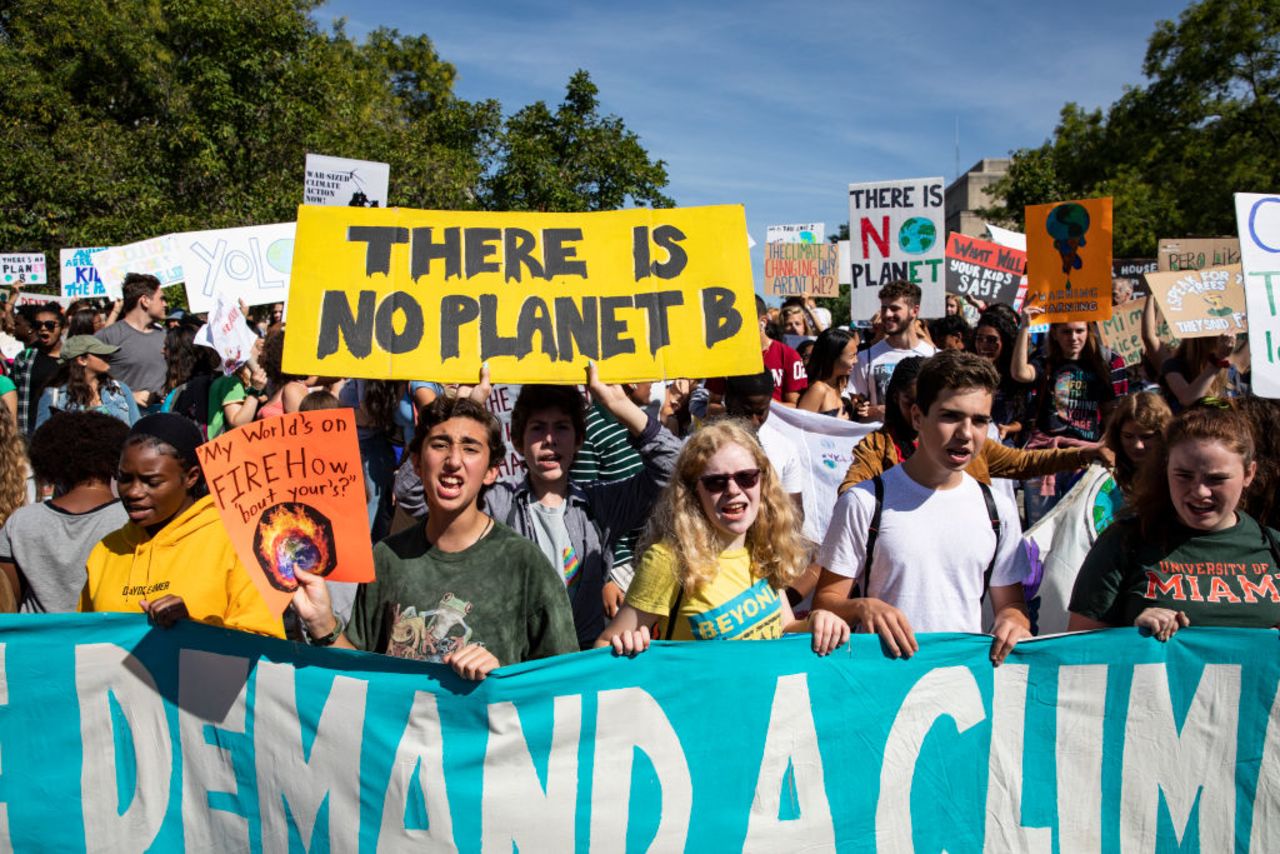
[430, 295]
[159, 257]
[985, 271]
[797, 269]
[344, 182]
[1201, 303]
[1069, 259]
[1196, 253]
[1128, 278]
[812, 232]
[896, 231]
[1258, 219]
[251, 264]
[290, 491]
[1122, 332]
[26, 268]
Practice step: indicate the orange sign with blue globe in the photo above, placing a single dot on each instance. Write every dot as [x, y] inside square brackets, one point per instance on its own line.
[1069, 260]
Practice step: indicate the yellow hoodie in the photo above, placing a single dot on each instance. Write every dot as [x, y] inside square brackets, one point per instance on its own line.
[191, 557]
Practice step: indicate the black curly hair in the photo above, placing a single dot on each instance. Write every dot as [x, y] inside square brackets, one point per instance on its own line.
[72, 448]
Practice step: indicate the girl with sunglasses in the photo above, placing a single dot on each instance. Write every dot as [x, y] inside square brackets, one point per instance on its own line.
[723, 545]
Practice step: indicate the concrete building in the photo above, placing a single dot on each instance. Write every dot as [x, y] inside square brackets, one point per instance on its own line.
[968, 193]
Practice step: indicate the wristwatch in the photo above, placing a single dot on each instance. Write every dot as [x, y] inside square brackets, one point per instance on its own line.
[329, 639]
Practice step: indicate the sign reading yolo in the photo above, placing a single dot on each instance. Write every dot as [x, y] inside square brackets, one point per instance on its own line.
[1069, 259]
[896, 233]
[986, 271]
[79, 277]
[250, 263]
[1201, 303]
[207, 739]
[25, 268]
[1258, 219]
[290, 491]
[405, 294]
[796, 269]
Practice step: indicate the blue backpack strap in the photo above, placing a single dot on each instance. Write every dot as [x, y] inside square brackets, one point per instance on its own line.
[873, 531]
[993, 514]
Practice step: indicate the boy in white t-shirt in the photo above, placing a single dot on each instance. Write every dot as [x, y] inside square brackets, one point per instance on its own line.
[936, 541]
[899, 311]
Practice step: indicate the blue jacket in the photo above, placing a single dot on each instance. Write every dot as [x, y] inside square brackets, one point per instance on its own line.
[117, 401]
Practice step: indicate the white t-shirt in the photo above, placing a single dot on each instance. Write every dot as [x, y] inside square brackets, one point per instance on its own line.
[871, 375]
[932, 551]
[783, 456]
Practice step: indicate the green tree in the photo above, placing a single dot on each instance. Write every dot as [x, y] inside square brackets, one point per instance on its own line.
[1170, 152]
[127, 119]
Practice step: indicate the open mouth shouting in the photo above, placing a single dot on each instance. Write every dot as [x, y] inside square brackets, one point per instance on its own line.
[449, 486]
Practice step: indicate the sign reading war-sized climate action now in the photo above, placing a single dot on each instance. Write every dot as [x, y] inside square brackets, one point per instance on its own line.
[983, 270]
[291, 494]
[431, 295]
[1201, 303]
[202, 739]
[799, 269]
[1258, 220]
[896, 231]
[1069, 259]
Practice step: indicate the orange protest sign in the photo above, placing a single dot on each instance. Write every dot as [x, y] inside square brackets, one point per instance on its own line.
[1069, 259]
[291, 494]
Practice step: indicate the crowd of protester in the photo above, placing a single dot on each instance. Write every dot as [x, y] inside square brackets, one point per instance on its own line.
[647, 511]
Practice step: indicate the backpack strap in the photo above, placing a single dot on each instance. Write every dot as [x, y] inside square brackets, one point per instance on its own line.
[873, 532]
[674, 612]
[993, 514]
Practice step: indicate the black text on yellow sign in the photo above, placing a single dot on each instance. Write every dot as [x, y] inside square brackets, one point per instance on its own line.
[430, 295]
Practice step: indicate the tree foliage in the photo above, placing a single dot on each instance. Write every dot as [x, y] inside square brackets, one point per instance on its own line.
[1170, 152]
[124, 119]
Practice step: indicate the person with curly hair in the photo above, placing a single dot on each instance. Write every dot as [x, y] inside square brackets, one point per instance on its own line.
[15, 488]
[723, 540]
[43, 547]
[1260, 498]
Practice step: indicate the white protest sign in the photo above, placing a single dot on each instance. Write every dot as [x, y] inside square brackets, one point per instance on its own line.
[227, 333]
[812, 232]
[341, 181]
[79, 277]
[23, 267]
[897, 232]
[1258, 221]
[157, 257]
[501, 402]
[250, 263]
[40, 299]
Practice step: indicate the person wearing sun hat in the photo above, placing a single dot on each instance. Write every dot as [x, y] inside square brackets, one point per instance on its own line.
[83, 382]
[173, 559]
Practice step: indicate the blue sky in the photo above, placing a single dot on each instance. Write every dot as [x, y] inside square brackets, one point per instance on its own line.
[779, 106]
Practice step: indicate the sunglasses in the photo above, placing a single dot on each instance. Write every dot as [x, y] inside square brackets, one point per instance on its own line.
[718, 483]
[46, 324]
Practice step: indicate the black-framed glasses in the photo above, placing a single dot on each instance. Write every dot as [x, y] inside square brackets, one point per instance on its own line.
[718, 483]
[46, 324]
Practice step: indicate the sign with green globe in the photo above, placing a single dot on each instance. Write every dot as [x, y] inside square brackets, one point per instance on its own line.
[896, 233]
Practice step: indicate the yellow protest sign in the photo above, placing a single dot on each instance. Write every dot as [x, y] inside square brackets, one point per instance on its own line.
[430, 295]
[1069, 259]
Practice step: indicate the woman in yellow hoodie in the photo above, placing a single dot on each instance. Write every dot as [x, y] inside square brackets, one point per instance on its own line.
[173, 558]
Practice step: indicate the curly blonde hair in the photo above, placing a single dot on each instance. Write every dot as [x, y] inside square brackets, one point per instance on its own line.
[779, 552]
[13, 466]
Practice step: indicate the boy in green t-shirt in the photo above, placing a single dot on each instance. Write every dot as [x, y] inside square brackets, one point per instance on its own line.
[460, 589]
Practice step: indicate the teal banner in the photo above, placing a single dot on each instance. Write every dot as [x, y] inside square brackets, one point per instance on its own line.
[116, 736]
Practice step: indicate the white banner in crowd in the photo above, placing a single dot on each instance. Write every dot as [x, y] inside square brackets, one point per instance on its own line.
[157, 256]
[810, 232]
[25, 268]
[1058, 543]
[897, 230]
[846, 275]
[250, 263]
[826, 444]
[346, 182]
[80, 277]
[1005, 237]
[227, 333]
[1258, 220]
